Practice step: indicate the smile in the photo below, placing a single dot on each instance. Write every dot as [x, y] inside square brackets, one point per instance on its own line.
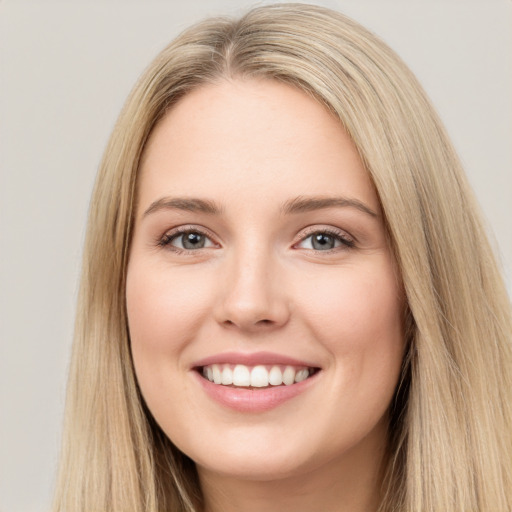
[254, 383]
[258, 376]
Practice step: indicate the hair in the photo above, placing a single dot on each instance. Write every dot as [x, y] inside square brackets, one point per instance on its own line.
[450, 435]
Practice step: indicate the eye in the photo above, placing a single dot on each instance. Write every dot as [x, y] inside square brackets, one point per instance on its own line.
[188, 240]
[325, 241]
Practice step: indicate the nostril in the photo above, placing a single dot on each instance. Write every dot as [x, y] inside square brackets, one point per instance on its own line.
[258, 323]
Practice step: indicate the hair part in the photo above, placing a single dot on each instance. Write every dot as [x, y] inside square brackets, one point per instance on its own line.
[450, 436]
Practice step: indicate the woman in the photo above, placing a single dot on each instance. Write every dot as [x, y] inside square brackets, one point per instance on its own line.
[288, 299]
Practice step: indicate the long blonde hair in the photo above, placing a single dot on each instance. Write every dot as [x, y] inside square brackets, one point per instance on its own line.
[451, 422]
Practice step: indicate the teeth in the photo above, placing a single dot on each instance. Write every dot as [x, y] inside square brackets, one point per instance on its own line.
[301, 375]
[275, 377]
[217, 375]
[288, 376]
[241, 376]
[258, 376]
[227, 376]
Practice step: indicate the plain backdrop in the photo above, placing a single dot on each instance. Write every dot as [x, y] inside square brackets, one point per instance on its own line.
[65, 70]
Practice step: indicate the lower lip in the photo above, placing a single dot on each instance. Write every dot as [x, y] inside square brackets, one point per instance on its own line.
[254, 400]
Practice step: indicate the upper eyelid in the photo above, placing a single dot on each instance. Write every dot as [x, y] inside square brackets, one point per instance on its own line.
[311, 230]
[177, 231]
[301, 235]
[188, 228]
[346, 240]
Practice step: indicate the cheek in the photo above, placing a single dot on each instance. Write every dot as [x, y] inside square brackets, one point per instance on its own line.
[165, 312]
[368, 304]
[164, 308]
[357, 316]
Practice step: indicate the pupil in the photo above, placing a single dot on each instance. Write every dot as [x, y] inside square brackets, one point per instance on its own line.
[193, 241]
[323, 242]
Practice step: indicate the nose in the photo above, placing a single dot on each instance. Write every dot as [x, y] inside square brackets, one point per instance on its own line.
[252, 295]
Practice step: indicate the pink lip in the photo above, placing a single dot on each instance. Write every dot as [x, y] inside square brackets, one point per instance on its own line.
[266, 358]
[252, 400]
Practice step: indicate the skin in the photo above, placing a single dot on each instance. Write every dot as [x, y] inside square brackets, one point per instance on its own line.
[259, 284]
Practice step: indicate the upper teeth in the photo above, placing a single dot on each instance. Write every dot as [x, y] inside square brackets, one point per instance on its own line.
[256, 376]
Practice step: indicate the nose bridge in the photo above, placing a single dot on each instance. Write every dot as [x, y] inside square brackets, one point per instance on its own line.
[252, 296]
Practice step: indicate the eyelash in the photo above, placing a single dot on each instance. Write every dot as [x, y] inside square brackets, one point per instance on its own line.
[169, 237]
[346, 242]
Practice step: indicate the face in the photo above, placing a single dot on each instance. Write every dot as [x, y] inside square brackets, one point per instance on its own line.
[264, 309]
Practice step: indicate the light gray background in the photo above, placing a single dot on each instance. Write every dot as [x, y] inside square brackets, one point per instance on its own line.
[66, 68]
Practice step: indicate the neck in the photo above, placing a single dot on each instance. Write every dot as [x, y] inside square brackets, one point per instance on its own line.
[350, 485]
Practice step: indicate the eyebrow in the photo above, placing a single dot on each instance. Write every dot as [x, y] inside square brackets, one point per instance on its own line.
[299, 204]
[306, 204]
[185, 204]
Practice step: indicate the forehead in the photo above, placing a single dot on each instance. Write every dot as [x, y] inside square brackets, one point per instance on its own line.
[249, 137]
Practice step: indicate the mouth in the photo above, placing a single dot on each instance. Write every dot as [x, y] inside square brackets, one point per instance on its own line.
[255, 382]
[259, 376]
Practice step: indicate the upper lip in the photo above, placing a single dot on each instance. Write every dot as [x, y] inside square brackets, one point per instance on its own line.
[253, 359]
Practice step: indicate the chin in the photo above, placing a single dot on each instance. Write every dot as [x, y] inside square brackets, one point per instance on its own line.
[262, 467]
